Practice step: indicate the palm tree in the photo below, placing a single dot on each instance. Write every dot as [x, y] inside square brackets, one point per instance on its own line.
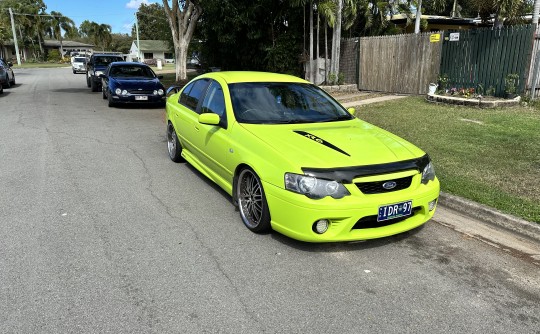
[59, 22]
[100, 34]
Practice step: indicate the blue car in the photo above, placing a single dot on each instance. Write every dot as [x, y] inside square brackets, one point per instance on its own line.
[130, 82]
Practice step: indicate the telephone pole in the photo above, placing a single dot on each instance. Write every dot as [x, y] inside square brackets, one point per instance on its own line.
[15, 37]
[138, 42]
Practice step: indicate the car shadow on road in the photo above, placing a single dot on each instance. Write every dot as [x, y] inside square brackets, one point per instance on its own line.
[72, 90]
[348, 246]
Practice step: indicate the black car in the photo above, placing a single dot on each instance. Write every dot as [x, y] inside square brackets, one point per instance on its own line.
[96, 65]
[7, 77]
[130, 82]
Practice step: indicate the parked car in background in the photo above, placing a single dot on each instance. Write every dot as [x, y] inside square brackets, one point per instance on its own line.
[96, 65]
[295, 161]
[130, 82]
[7, 77]
[78, 64]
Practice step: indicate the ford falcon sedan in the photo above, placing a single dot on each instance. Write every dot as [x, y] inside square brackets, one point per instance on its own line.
[131, 82]
[295, 161]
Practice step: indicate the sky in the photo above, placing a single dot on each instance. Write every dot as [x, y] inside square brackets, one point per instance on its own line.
[119, 14]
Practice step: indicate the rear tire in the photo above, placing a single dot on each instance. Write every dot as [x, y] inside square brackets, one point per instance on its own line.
[173, 144]
[252, 203]
[13, 81]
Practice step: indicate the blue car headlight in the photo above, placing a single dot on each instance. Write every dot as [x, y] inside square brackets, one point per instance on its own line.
[428, 174]
[118, 91]
[313, 187]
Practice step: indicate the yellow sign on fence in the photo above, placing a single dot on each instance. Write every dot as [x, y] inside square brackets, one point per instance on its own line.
[435, 38]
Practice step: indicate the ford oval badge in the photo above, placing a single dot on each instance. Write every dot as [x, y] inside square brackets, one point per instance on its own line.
[389, 185]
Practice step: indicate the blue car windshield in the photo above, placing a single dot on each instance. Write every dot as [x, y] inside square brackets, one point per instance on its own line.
[131, 71]
[284, 103]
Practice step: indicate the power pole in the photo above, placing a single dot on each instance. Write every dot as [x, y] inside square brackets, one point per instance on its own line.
[15, 37]
[138, 42]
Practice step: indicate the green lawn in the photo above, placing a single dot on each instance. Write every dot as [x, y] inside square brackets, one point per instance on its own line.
[491, 156]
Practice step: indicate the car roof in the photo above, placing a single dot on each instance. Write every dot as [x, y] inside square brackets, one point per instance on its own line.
[252, 76]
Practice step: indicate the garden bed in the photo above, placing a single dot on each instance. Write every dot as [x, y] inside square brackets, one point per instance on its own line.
[481, 102]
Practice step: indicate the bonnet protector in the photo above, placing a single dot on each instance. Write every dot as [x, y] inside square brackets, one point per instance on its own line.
[348, 174]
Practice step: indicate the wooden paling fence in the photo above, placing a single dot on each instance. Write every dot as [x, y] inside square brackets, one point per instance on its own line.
[399, 63]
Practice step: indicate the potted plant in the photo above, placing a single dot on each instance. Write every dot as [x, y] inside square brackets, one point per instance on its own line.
[511, 81]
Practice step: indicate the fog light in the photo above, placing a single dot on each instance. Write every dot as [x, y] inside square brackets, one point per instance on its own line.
[321, 226]
[431, 205]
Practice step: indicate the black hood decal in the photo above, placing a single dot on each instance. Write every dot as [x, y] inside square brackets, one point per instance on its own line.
[321, 141]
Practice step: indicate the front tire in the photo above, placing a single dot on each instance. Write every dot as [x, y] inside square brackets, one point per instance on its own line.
[93, 85]
[173, 144]
[87, 81]
[7, 84]
[252, 203]
[103, 93]
[111, 102]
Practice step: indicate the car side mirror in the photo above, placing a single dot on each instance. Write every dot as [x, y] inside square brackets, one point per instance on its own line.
[209, 118]
[102, 76]
[160, 77]
[351, 111]
[10, 64]
[173, 90]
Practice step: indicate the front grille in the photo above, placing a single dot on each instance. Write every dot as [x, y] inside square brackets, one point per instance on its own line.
[141, 92]
[371, 221]
[377, 186]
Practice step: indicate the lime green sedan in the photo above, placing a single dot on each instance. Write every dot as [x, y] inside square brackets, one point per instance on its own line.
[295, 161]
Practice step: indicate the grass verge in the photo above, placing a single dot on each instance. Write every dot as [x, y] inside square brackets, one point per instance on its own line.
[491, 156]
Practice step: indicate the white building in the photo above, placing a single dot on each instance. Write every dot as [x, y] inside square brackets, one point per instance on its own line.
[150, 49]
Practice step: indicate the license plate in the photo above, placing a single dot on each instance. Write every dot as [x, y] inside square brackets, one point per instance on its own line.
[396, 210]
[141, 98]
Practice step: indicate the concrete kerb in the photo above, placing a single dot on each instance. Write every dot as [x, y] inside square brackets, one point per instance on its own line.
[491, 216]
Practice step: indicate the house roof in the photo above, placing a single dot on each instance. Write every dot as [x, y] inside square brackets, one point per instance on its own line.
[153, 45]
[66, 44]
[402, 18]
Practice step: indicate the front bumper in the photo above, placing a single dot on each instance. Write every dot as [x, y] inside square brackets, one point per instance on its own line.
[293, 215]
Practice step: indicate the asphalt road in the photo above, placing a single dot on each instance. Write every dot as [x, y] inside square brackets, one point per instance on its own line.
[101, 233]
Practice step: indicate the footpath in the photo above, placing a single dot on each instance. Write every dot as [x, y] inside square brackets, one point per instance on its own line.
[506, 232]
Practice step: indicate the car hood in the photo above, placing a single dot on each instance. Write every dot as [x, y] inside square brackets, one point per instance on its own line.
[132, 83]
[335, 144]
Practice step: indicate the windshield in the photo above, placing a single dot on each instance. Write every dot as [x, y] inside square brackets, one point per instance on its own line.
[79, 60]
[128, 71]
[281, 103]
[106, 60]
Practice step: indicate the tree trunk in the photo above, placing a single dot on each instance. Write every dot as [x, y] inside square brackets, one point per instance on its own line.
[182, 16]
[418, 17]
[325, 52]
[336, 40]
[310, 72]
[181, 62]
[536, 13]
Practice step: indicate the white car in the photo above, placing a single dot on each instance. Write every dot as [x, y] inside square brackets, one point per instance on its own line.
[78, 64]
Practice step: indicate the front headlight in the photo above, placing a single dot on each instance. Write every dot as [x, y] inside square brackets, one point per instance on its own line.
[118, 91]
[160, 91]
[428, 174]
[313, 187]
